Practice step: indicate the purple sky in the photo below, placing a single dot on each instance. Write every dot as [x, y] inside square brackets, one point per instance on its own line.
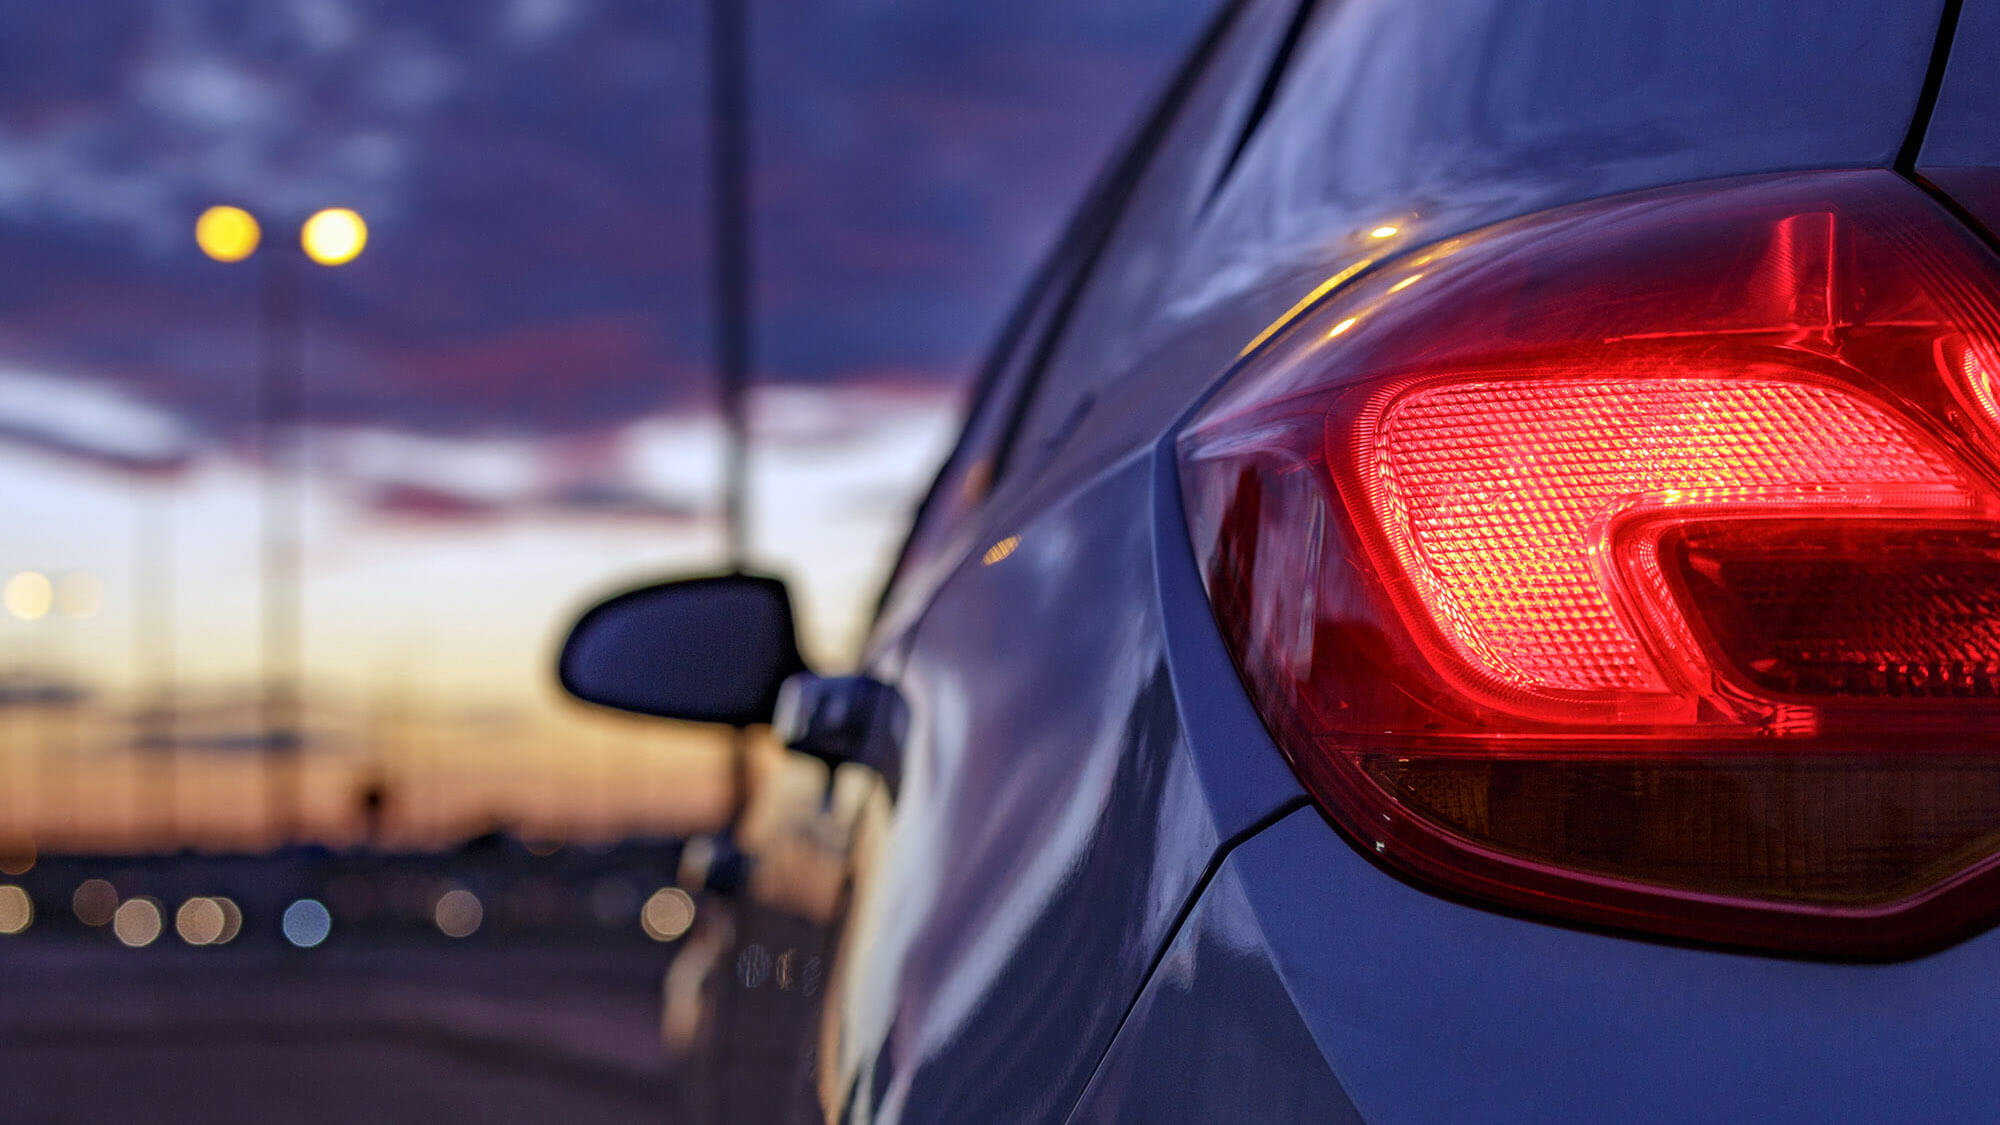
[509, 391]
[534, 175]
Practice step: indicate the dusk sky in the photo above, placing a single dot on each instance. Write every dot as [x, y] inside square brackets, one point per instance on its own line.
[509, 397]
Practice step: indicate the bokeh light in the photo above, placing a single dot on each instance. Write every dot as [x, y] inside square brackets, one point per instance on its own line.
[334, 236]
[227, 234]
[232, 920]
[668, 914]
[458, 913]
[17, 854]
[753, 966]
[137, 922]
[94, 902]
[29, 595]
[306, 923]
[17, 910]
[199, 921]
[79, 594]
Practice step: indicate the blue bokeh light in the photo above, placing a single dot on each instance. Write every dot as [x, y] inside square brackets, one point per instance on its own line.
[307, 923]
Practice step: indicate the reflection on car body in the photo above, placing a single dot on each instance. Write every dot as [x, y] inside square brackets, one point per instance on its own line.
[1229, 786]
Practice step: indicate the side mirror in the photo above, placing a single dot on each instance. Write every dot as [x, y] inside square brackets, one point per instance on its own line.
[840, 719]
[707, 650]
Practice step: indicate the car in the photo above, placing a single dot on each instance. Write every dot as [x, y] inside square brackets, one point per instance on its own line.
[1466, 592]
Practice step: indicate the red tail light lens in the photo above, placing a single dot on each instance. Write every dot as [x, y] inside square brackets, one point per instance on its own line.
[1638, 564]
[1821, 611]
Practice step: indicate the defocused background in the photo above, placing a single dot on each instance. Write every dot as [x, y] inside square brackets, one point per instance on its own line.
[507, 397]
[440, 449]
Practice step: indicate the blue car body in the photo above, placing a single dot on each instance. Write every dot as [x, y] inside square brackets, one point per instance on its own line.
[1102, 893]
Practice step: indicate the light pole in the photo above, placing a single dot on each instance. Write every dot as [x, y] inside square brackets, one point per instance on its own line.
[729, 149]
[78, 596]
[29, 596]
[153, 663]
[330, 237]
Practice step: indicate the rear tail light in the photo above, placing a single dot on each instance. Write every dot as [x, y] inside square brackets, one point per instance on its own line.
[1638, 564]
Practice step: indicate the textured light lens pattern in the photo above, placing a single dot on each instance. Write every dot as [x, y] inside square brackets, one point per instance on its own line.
[1641, 567]
[1831, 608]
[1493, 493]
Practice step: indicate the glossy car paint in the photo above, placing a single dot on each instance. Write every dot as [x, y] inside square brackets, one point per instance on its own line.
[1081, 872]
[1442, 117]
[1216, 1033]
[1006, 868]
[1960, 152]
[1961, 130]
[1431, 1011]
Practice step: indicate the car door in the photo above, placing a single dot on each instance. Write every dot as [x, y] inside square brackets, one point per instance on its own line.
[1004, 921]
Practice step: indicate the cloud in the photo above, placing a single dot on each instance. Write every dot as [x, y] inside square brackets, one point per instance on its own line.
[529, 23]
[207, 93]
[325, 25]
[484, 470]
[89, 421]
[816, 452]
[534, 176]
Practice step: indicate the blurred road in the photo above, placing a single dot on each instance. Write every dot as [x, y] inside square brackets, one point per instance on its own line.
[103, 1034]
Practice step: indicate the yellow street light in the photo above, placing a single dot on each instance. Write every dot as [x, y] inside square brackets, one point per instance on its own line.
[29, 595]
[227, 234]
[333, 237]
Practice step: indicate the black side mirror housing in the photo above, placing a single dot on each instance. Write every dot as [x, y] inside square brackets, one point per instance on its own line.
[713, 649]
[841, 719]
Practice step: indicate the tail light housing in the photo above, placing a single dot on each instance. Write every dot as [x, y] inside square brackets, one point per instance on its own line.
[1638, 564]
